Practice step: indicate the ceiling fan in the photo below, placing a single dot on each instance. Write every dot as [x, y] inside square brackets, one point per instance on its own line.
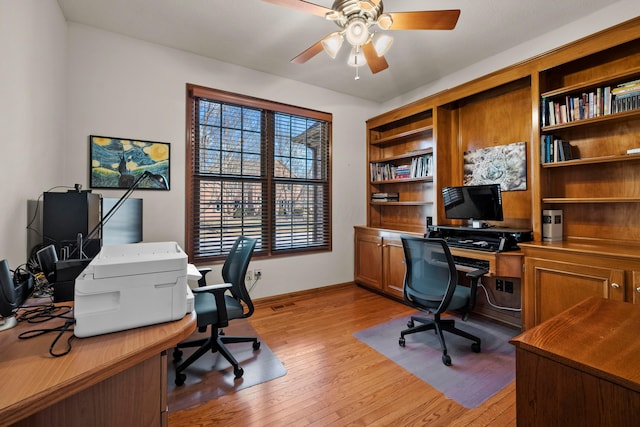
[358, 21]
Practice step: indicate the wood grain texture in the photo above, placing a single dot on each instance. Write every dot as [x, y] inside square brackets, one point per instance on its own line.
[334, 379]
[90, 362]
[580, 367]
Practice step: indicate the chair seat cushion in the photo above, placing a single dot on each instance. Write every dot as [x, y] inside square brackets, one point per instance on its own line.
[207, 311]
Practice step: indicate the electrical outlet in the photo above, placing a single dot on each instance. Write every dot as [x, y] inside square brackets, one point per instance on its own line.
[257, 274]
[249, 275]
[499, 285]
[508, 287]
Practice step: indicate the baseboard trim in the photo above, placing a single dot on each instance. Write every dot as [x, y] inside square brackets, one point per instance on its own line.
[279, 299]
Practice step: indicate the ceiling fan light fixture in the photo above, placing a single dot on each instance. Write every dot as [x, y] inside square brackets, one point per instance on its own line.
[382, 43]
[332, 44]
[356, 58]
[357, 32]
[385, 21]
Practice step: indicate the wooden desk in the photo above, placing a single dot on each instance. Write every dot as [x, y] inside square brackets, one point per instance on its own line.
[115, 379]
[581, 367]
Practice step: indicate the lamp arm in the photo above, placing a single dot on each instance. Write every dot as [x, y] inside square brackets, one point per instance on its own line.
[110, 213]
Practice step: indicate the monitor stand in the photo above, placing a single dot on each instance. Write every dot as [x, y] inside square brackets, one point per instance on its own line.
[479, 224]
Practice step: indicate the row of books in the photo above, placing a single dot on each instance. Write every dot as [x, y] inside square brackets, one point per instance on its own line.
[420, 167]
[601, 101]
[556, 150]
[385, 197]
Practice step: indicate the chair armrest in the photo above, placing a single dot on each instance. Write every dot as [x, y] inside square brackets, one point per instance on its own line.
[212, 288]
[477, 273]
[202, 281]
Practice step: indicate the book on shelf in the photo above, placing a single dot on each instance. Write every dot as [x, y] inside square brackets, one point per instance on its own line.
[555, 150]
[385, 197]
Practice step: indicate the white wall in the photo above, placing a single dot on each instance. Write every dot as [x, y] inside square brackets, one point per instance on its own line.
[32, 113]
[607, 17]
[122, 87]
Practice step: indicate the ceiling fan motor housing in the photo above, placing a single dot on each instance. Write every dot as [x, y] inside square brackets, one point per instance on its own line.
[349, 12]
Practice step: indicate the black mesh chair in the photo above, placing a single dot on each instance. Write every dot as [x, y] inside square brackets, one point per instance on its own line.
[215, 307]
[431, 285]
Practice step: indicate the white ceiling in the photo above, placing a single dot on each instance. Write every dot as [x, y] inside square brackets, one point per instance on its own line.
[264, 37]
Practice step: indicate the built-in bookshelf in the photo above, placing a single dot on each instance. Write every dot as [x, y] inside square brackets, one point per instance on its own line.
[597, 186]
[401, 167]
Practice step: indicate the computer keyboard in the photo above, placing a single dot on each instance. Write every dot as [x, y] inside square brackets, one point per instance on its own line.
[471, 262]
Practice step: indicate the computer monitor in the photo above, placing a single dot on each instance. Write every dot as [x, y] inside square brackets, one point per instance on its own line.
[473, 202]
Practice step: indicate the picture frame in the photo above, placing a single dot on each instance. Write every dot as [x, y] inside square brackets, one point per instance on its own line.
[118, 162]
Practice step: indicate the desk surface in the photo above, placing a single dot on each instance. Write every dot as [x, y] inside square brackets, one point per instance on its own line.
[33, 380]
[597, 336]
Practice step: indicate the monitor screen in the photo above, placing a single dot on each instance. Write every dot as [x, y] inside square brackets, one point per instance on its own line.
[125, 226]
[473, 202]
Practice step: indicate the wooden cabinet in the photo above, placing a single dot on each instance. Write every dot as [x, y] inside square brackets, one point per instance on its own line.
[580, 368]
[561, 274]
[379, 260]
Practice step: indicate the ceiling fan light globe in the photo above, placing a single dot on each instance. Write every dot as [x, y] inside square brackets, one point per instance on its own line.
[357, 32]
[384, 21]
[332, 44]
[382, 43]
[356, 58]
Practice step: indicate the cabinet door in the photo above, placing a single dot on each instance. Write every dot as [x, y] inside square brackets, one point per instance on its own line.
[394, 267]
[368, 259]
[554, 286]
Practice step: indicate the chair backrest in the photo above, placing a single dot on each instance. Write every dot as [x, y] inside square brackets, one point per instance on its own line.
[431, 277]
[235, 267]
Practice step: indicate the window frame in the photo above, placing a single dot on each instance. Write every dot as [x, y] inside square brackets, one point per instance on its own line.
[195, 92]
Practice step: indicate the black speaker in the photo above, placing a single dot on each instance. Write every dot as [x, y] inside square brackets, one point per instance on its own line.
[47, 258]
[65, 215]
[7, 297]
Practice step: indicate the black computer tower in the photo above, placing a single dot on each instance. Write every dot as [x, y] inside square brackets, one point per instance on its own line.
[67, 215]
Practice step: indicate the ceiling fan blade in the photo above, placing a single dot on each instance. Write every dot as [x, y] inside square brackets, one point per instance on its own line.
[303, 6]
[308, 54]
[426, 20]
[376, 63]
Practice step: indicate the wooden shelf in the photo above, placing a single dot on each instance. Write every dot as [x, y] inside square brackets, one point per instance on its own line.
[394, 138]
[608, 80]
[412, 203]
[400, 181]
[567, 200]
[609, 118]
[593, 160]
[416, 153]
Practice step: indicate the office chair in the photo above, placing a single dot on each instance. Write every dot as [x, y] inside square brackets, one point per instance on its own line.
[431, 285]
[214, 308]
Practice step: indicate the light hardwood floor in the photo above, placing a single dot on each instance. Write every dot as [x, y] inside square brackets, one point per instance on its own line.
[335, 380]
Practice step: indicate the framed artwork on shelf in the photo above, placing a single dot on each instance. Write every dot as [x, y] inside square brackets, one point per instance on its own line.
[118, 162]
[503, 164]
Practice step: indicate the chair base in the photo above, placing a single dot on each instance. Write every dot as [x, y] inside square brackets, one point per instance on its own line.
[214, 343]
[439, 326]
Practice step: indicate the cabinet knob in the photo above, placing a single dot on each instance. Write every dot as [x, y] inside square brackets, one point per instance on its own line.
[638, 289]
[615, 285]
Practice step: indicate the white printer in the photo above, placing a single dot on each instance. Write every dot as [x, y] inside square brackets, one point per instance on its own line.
[127, 286]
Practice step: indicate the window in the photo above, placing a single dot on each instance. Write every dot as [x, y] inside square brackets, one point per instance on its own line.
[256, 168]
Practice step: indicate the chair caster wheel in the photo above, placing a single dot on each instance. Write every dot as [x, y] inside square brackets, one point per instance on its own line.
[446, 359]
[180, 379]
[410, 324]
[238, 372]
[401, 341]
[177, 354]
[475, 347]
[256, 345]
